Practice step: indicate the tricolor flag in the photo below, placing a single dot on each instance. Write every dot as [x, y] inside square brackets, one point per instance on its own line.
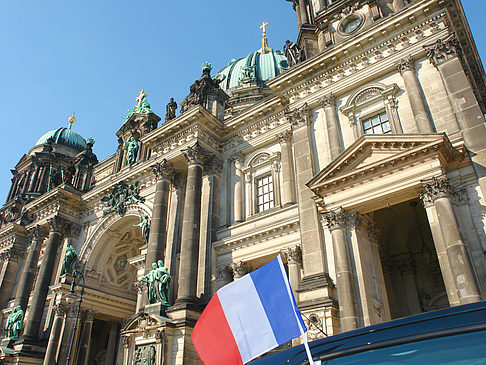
[248, 317]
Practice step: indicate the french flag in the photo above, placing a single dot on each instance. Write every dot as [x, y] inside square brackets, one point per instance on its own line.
[248, 317]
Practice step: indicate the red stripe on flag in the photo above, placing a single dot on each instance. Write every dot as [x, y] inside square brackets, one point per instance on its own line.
[213, 338]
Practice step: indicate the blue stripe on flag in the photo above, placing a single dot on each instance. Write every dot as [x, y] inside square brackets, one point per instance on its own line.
[269, 282]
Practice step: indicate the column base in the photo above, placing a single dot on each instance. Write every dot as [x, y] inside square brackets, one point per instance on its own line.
[30, 347]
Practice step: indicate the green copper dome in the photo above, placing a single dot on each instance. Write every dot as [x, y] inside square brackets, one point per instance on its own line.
[255, 68]
[66, 137]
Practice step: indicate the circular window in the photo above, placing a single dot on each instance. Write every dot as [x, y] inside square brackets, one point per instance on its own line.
[351, 23]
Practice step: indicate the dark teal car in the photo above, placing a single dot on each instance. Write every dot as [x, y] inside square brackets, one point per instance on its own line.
[453, 336]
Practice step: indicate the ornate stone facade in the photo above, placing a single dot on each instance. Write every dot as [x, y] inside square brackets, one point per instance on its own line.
[324, 163]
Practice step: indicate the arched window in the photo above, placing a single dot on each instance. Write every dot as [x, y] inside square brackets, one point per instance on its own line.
[373, 110]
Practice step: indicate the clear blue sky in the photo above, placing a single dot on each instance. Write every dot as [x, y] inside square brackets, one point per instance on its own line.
[94, 57]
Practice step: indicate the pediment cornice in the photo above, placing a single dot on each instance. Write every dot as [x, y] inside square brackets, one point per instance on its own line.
[371, 155]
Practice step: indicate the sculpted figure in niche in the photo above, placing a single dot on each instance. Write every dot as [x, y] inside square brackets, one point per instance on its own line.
[69, 262]
[132, 149]
[170, 110]
[14, 323]
[144, 226]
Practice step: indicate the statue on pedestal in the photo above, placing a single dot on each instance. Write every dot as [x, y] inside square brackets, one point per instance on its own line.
[69, 262]
[158, 282]
[14, 323]
[170, 110]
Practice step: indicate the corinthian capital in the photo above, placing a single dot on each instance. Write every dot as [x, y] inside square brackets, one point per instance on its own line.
[443, 50]
[293, 254]
[284, 137]
[405, 64]
[163, 170]
[341, 218]
[57, 224]
[240, 269]
[299, 117]
[437, 187]
[195, 154]
[328, 101]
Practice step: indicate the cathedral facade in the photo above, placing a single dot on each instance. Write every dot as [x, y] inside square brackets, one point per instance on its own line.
[358, 154]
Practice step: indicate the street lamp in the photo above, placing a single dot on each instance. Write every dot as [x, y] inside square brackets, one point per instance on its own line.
[71, 298]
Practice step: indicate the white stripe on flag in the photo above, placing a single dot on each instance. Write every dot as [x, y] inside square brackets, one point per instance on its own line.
[246, 317]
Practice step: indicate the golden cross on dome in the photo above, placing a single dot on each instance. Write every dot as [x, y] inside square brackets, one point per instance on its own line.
[71, 120]
[263, 26]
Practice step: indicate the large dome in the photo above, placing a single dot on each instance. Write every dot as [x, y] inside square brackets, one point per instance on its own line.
[64, 136]
[259, 67]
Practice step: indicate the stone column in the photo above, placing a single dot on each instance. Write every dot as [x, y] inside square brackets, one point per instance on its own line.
[304, 18]
[445, 56]
[33, 180]
[310, 227]
[85, 340]
[51, 351]
[337, 220]
[10, 259]
[43, 281]
[27, 277]
[238, 198]
[158, 234]
[287, 186]
[406, 66]
[139, 285]
[195, 157]
[440, 249]
[296, 7]
[294, 258]
[328, 102]
[439, 191]
[239, 269]
[111, 348]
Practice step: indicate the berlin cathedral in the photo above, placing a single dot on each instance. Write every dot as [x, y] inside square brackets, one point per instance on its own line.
[357, 152]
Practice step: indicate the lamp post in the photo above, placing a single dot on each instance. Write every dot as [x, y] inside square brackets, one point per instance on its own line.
[71, 297]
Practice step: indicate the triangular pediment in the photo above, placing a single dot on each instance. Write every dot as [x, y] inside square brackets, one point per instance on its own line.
[142, 320]
[370, 152]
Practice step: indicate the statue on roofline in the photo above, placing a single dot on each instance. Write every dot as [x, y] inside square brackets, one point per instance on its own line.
[293, 53]
[132, 149]
[170, 110]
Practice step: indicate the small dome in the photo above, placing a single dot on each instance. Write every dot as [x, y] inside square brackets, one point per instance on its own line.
[256, 66]
[66, 137]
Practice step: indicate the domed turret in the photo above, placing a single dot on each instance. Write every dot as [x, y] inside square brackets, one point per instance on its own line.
[257, 68]
[65, 137]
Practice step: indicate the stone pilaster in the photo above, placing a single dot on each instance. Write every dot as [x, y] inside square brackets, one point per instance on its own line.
[337, 221]
[439, 191]
[209, 223]
[445, 55]
[310, 230]
[51, 352]
[163, 172]
[111, 348]
[406, 67]
[293, 256]
[33, 323]
[328, 103]
[10, 259]
[85, 340]
[238, 193]
[287, 186]
[195, 157]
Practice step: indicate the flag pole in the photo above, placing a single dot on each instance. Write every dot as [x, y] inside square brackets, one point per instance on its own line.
[307, 349]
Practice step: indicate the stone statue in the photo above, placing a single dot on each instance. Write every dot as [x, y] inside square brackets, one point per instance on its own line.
[132, 150]
[170, 110]
[144, 226]
[14, 323]
[157, 281]
[293, 53]
[200, 88]
[248, 75]
[69, 262]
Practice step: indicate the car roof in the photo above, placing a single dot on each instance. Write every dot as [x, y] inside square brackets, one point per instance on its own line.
[407, 329]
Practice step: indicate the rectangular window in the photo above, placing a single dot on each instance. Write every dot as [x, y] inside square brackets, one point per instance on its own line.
[378, 124]
[264, 192]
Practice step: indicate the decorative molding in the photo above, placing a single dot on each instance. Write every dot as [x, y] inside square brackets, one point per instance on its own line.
[341, 218]
[240, 269]
[435, 188]
[284, 137]
[328, 101]
[293, 255]
[299, 117]
[195, 154]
